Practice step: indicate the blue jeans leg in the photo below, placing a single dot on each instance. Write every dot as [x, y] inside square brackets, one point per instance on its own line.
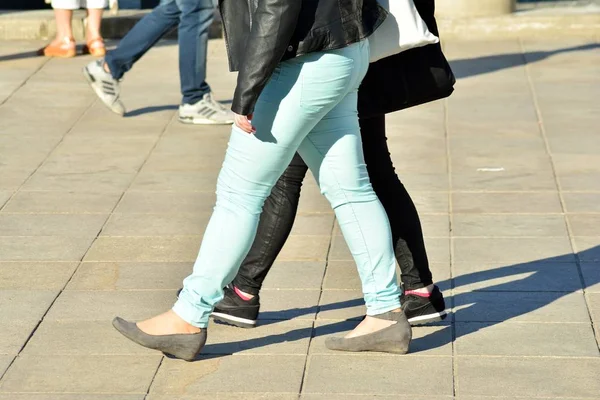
[196, 18]
[142, 37]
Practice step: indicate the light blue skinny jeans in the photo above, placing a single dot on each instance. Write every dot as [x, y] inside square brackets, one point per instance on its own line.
[310, 106]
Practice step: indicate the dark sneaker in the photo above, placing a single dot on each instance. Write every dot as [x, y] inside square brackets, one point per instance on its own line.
[236, 311]
[423, 310]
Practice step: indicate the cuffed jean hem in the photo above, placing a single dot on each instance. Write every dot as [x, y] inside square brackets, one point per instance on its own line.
[190, 314]
[383, 307]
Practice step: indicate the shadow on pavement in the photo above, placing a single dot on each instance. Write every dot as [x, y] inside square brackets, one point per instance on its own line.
[151, 109]
[469, 67]
[481, 308]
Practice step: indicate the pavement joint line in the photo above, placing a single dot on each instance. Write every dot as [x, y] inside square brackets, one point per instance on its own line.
[24, 82]
[318, 310]
[573, 244]
[451, 254]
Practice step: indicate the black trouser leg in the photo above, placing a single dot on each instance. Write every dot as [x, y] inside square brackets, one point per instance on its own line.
[274, 227]
[280, 209]
[407, 234]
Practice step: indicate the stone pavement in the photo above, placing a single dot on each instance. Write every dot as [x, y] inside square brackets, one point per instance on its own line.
[102, 216]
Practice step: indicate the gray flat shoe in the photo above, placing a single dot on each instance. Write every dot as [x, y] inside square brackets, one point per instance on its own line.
[183, 346]
[393, 339]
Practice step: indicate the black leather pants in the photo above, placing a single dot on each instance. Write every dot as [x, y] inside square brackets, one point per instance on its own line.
[281, 206]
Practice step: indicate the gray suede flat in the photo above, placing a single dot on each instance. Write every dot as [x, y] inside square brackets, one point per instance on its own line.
[183, 346]
[393, 339]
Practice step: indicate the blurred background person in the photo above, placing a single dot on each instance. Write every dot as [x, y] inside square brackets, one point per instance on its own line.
[64, 44]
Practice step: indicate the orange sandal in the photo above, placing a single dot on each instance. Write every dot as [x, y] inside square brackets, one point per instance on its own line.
[95, 47]
[65, 49]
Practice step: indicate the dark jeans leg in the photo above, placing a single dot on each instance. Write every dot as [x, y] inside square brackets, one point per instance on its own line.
[407, 234]
[274, 227]
[196, 19]
[142, 37]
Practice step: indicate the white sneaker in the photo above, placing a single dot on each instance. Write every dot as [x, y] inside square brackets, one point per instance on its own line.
[205, 112]
[106, 87]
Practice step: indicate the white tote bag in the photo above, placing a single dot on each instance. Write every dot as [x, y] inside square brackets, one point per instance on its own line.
[403, 29]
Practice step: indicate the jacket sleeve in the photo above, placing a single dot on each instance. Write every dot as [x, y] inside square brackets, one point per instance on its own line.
[274, 23]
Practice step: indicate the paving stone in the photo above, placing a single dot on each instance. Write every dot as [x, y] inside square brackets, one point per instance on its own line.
[4, 196]
[503, 202]
[591, 276]
[81, 338]
[312, 201]
[166, 203]
[430, 202]
[213, 374]
[182, 160]
[35, 275]
[580, 181]
[508, 180]
[231, 396]
[594, 302]
[145, 248]
[330, 396]
[129, 276]
[341, 275]
[438, 249]
[12, 179]
[525, 277]
[105, 305]
[520, 307]
[430, 182]
[509, 225]
[186, 181]
[295, 275]
[21, 311]
[427, 340]
[73, 225]
[78, 396]
[112, 374]
[521, 250]
[62, 202]
[269, 337]
[156, 224]
[305, 248]
[377, 374]
[435, 225]
[4, 363]
[585, 224]
[100, 181]
[528, 377]
[341, 305]
[313, 224]
[526, 339]
[288, 304]
[14, 334]
[588, 248]
[582, 202]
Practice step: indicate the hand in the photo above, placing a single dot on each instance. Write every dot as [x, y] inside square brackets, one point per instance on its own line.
[243, 122]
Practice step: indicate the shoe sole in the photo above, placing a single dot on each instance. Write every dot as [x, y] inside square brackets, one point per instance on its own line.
[201, 121]
[235, 321]
[91, 80]
[429, 318]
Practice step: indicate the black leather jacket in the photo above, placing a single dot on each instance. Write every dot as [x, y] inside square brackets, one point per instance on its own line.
[259, 34]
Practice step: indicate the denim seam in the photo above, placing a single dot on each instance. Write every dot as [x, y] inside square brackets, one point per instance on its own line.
[353, 212]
